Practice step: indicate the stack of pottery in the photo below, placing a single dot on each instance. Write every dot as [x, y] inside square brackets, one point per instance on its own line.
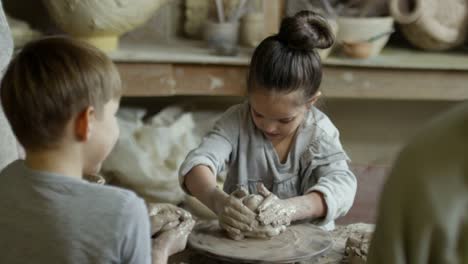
[100, 22]
[432, 24]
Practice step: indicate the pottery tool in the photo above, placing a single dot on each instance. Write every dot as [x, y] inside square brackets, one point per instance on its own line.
[297, 243]
[328, 8]
[239, 11]
[220, 10]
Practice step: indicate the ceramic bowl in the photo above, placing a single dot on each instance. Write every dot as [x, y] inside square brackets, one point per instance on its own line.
[361, 29]
[100, 22]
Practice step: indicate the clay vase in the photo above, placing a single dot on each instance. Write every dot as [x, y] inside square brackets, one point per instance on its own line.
[432, 24]
[100, 22]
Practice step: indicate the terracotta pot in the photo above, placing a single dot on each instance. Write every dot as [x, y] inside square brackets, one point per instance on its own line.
[100, 22]
[432, 24]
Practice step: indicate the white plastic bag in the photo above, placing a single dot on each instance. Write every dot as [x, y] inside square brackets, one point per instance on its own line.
[147, 157]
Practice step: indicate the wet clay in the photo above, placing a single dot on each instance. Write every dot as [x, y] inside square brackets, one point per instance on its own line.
[252, 201]
[296, 243]
[357, 248]
[164, 217]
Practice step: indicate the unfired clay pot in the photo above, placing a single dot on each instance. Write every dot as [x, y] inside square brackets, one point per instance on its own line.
[432, 24]
[100, 22]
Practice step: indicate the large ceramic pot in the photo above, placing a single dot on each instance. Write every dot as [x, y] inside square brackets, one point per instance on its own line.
[363, 29]
[100, 22]
[432, 24]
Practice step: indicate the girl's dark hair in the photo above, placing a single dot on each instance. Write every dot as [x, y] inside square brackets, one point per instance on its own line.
[288, 61]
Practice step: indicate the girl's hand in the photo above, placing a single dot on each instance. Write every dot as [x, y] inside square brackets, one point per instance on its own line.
[234, 216]
[273, 210]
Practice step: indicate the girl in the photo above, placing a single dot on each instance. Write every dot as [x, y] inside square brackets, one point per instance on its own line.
[277, 138]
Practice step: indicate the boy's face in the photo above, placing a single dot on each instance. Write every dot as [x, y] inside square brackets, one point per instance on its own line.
[103, 136]
[277, 115]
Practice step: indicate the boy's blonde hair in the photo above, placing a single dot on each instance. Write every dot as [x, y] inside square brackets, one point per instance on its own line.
[49, 82]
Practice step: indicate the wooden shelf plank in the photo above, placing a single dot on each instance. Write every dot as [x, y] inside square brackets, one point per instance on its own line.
[151, 79]
[195, 52]
[184, 67]
[371, 83]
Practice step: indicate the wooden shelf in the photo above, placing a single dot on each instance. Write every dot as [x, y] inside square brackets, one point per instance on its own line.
[188, 68]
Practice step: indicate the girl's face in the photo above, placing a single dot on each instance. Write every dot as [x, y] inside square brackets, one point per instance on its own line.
[277, 115]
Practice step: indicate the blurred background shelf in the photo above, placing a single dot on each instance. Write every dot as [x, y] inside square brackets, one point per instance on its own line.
[189, 68]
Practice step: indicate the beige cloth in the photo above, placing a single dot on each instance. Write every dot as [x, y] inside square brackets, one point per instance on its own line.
[8, 145]
[423, 215]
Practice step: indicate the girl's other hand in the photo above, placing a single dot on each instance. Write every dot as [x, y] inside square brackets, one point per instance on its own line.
[273, 211]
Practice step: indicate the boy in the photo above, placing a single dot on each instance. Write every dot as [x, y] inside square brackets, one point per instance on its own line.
[60, 97]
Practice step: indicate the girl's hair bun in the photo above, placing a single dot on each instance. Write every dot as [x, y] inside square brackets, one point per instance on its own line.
[306, 30]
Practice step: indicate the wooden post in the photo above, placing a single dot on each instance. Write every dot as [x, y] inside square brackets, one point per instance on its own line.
[274, 12]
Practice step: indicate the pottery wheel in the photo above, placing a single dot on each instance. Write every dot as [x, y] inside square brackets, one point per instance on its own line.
[298, 243]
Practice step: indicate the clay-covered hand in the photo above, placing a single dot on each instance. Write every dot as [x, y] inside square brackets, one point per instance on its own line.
[164, 216]
[273, 211]
[174, 240]
[234, 216]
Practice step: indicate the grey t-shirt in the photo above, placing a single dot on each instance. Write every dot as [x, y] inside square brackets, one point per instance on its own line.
[49, 218]
[316, 162]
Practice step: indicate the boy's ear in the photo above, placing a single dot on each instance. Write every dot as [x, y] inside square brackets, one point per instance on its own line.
[314, 99]
[84, 123]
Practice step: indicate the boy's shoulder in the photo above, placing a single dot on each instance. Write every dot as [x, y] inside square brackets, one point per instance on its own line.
[78, 191]
[109, 194]
[105, 220]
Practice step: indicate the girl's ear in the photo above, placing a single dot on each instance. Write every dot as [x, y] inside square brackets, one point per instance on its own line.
[84, 123]
[314, 99]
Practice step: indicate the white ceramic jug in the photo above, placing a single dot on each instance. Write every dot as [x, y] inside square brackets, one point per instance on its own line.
[432, 24]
